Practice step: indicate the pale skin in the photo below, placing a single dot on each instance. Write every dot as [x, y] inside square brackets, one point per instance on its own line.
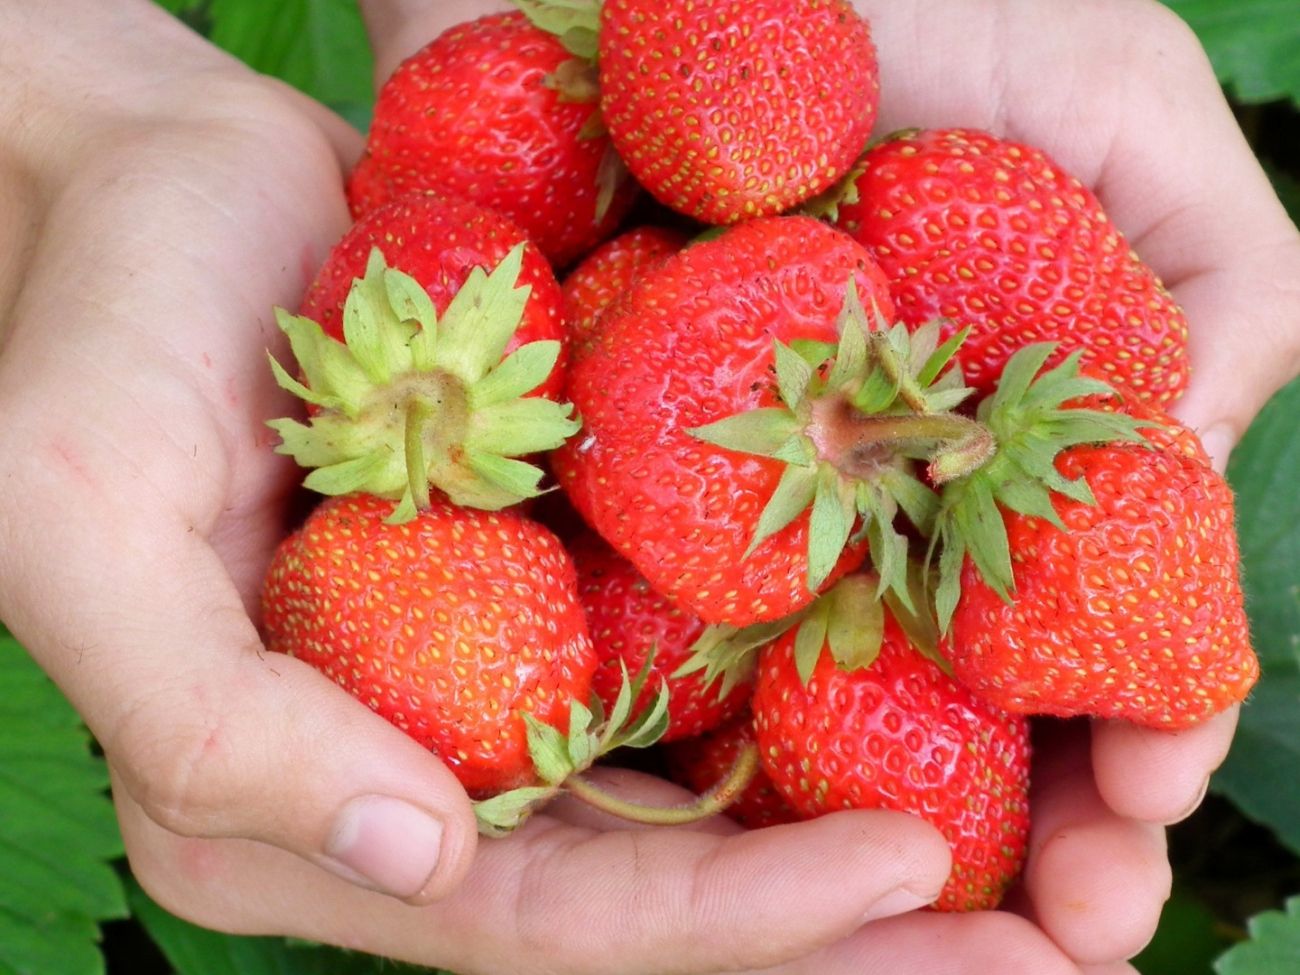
[157, 200]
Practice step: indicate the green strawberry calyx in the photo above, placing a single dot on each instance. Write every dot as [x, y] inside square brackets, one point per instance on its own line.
[1032, 423]
[575, 22]
[852, 420]
[560, 759]
[412, 399]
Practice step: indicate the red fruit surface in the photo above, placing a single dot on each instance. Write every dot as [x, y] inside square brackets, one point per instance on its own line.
[439, 241]
[901, 734]
[691, 343]
[472, 115]
[627, 621]
[1134, 612]
[731, 109]
[701, 763]
[452, 626]
[609, 270]
[994, 235]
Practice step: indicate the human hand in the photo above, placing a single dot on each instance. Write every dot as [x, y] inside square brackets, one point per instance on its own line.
[1120, 93]
[156, 201]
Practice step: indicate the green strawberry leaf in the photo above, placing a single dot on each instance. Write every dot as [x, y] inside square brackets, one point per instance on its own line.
[1262, 772]
[57, 829]
[1187, 940]
[1273, 948]
[1254, 45]
[192, 950]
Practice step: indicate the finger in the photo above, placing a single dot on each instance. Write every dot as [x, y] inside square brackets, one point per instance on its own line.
[926, 943]
[557, 898]
[1095, 881]
[1158, 776]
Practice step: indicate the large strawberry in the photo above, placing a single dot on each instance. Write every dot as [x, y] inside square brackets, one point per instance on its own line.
[427, 389]
[841, 725]
[726, 111]
[453, 626]
[745, 431]
[995, 236]
[1089, 570]
[498, 112]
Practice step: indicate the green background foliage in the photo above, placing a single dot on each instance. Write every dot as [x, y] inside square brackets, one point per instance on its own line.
[63, 882]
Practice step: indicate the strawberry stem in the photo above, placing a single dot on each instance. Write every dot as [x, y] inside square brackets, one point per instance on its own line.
[418, 414]
[707, 804]
[860, 446]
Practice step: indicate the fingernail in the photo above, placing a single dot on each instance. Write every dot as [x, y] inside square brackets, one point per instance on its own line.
[1194, 805]
[1218, 442]
[386, 844]
[897, 901]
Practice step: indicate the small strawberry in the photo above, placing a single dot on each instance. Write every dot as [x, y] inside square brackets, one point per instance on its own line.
[498, 112]
[994, 236]
[422, 391]
[453, 626]
[850, 714]
[727, 111]
[609, 270]
[629, 622]
[1086, 570]
[438, 241]
[746, 434]
[697, 763]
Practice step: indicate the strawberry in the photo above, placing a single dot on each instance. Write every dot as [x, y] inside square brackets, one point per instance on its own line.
[727, 111]
[699, 762]
[628, 622]
[722, 452]
[438, 241]
[1105, 583]
[994, 235]
[453, 626]
[498, 112]
[607, 271]
[426, 389]
[846, 720]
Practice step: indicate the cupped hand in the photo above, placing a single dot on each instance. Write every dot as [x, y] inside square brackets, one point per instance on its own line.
[157, 200]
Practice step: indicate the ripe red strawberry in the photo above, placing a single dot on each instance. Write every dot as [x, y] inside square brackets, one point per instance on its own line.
[628, 621]
[727, 111]
[721, 452]
[898, 733]
[606, 273]
[438, 241]
[701, 762]
[994, 235]
[498, 112]
[1117, 594]
[452, 626]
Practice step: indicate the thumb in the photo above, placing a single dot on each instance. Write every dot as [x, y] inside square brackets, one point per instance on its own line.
[211, 735]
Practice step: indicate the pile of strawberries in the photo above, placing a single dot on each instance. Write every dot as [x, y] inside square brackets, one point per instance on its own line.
[844, 456]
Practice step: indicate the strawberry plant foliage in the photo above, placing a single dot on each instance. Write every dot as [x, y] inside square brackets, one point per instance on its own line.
[57, 831]
[1274, 945]
[1253, 44]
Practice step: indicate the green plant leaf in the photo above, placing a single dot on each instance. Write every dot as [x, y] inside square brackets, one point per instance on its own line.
[1273, 948]
[318, 46]
[1186, 942]
[1253, 44]
[193, 950]
[58, 832]
[1262, 773]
